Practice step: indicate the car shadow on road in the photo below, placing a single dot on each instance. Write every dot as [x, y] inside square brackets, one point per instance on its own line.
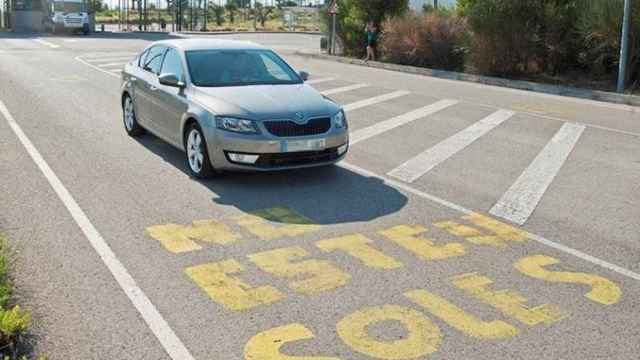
[327, 195]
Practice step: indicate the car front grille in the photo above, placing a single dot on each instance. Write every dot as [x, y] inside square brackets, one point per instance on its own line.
[288, 128]
[277, 160]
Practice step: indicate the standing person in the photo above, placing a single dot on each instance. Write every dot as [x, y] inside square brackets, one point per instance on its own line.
[372, 41]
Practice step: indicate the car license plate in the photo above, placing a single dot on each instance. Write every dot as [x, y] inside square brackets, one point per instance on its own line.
[303, 145]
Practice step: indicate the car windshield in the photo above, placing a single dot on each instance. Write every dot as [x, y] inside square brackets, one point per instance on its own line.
[209, 68]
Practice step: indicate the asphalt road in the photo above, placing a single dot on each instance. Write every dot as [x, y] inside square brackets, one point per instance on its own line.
[468, 222]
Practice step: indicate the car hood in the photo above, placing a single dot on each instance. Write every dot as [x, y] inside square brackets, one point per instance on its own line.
[262, 102]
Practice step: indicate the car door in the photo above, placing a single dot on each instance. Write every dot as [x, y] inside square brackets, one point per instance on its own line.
[147, 85]
[171, 101]
[134, 78]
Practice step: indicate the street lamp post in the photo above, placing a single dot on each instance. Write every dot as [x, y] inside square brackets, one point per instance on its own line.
[624, 47]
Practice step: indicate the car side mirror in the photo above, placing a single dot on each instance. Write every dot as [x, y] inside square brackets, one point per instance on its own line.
[171, 80]
[304, 75]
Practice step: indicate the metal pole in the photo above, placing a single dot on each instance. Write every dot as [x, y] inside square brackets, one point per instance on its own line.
[624, 48]
[333, 36]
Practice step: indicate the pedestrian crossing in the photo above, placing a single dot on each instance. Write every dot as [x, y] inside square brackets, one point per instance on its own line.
[110, 63]
[517, 204]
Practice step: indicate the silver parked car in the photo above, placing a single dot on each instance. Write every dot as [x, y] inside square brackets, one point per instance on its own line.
[231, 105]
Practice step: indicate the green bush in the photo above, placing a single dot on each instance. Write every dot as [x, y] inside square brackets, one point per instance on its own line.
[598, 26]
[432, 40]
[506, 35]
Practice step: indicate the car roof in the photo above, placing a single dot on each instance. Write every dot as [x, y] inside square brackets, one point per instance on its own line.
[209, 44]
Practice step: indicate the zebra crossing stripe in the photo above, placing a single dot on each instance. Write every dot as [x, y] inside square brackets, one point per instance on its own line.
[343, 89]
[384, 126]
[375, 100]
[416, 167]
[522, 198]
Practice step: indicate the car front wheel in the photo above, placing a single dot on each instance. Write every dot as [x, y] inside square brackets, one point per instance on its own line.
[129, 116]
[197, 156]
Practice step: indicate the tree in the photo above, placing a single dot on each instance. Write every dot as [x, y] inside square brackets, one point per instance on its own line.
[353, 15]
[232, 8]
[218, 13]
[262, 12]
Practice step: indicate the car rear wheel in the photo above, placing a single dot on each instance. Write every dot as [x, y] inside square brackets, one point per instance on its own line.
[129, 116]
[197, 156]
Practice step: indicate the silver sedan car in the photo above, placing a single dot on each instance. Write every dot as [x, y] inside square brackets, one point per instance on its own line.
[231, 105]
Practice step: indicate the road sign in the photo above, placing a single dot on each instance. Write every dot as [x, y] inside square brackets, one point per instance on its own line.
[333, 8]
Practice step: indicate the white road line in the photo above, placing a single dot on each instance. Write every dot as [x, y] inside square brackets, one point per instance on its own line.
[111, 64]
[158, 325]
[381, 127]
[375, 100]
[416, 167]
[78, 58]
[540, 239]
[98, 56]
[116, 71]
[46, 43]
[343, 89]
[114, 58]
[519, 202]
[319, 80]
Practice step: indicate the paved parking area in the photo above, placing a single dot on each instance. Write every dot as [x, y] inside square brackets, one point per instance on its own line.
[467, 222]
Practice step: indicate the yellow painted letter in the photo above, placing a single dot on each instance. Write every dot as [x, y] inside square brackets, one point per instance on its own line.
[603, 291]
[459, 319]
[294, 224]
[267, 344]
[407, 237]
[504, 233]
[324, 275]
[230, 292]
[180, 239]
[508, 301]
[423, 335]
[359, 247]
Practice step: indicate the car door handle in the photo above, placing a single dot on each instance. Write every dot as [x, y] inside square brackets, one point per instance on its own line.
[133, 79]
[153, 88]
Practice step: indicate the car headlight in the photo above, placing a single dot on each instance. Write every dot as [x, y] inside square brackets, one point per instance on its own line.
[236, 125]
[339, 119]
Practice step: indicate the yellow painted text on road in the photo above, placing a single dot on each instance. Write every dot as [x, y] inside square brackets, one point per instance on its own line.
[320, 275]
[423, 335]
[504, 233]
[267, 344]
[293, 224]
[408, 237]
[180, 239]
[510, 302]
[603, 291]
[231, 292]
[360, 248]
[461, 320]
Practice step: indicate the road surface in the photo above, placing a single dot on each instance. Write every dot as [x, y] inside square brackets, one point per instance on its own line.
[468, 221]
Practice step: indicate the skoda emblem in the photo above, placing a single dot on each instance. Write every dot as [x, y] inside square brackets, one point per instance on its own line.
[300, 118]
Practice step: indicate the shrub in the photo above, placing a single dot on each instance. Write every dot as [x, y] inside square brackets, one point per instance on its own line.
[599, 25]
[432, 40]
[506, 35]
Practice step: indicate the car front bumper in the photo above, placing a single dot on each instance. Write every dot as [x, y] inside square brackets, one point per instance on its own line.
[269, 151]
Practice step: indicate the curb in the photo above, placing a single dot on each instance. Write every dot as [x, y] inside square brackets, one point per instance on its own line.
[247, 32]
[597, 95]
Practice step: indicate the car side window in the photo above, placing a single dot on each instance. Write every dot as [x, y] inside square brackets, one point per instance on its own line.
[173, 64]
[153, 61]
[142, 57]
